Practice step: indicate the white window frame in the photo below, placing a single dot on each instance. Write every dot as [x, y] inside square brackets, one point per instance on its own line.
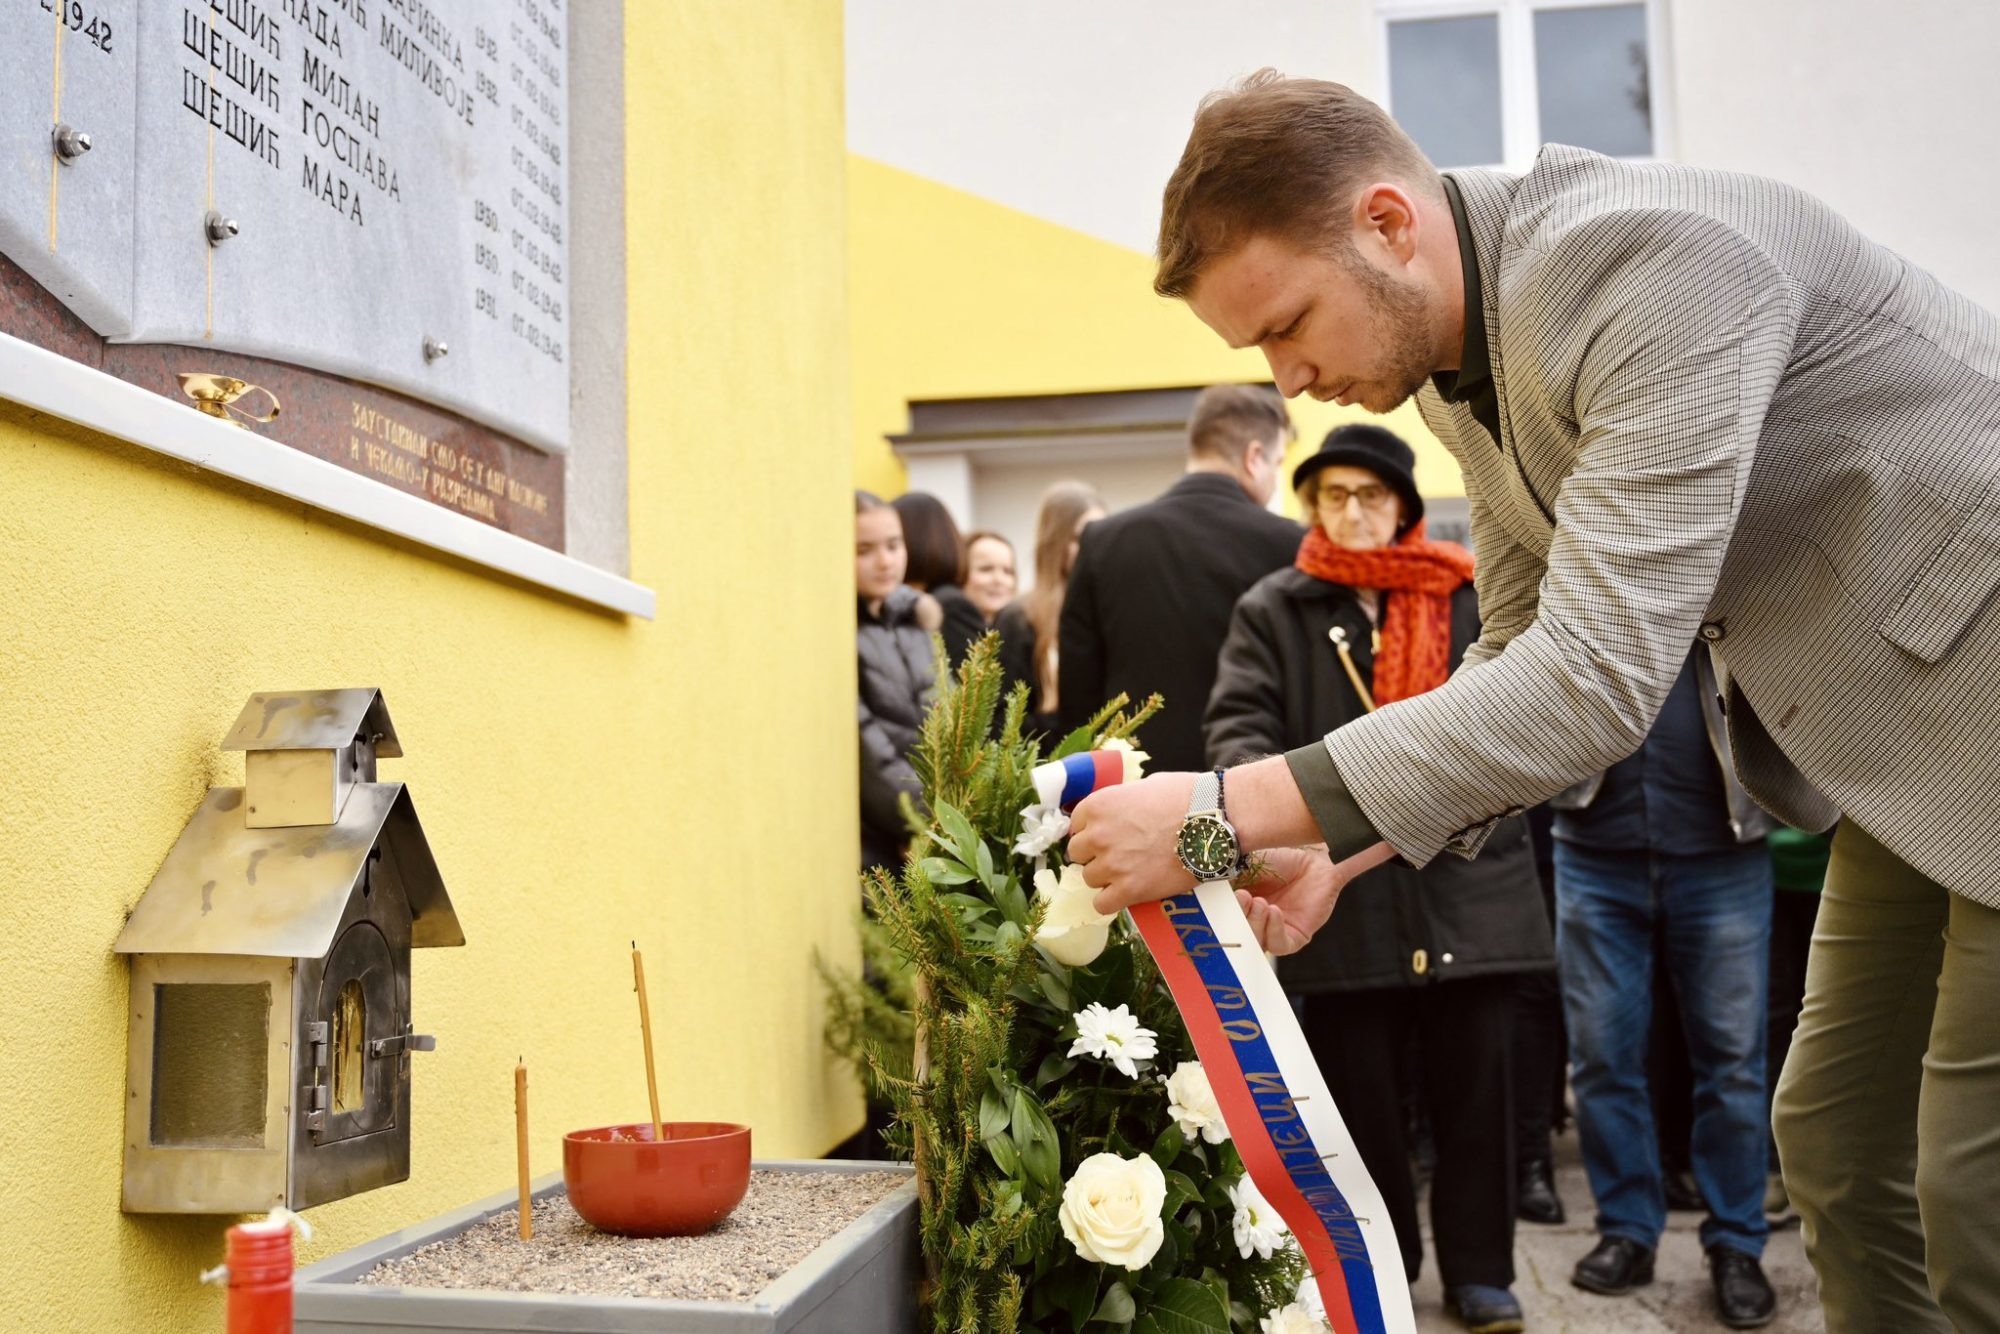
[1520, 108]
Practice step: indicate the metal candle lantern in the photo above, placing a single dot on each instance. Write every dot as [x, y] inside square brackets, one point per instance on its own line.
[269, 1060]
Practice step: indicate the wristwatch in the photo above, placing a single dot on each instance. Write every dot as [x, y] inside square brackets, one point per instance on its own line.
[1207, 843]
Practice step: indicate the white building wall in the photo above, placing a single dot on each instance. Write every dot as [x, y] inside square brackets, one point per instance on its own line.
[1888, 112]
[1077, 112]
[1074, 112]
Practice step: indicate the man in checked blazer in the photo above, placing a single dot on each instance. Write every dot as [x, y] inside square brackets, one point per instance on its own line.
[1689, 406]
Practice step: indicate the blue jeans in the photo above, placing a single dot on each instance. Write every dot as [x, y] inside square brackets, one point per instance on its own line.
[1713, 915]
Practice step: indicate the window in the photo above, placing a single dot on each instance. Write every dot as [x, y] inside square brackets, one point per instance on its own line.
[1487, 83]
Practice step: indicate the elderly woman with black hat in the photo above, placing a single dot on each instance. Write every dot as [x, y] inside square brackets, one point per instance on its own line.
[1373, 612]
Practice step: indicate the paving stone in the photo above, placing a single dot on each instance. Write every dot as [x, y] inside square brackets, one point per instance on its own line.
[1677, 1300]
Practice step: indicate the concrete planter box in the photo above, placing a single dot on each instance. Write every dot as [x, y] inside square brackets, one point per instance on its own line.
[862, 1278]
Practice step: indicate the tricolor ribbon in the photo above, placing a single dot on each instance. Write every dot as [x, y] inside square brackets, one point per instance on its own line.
[1063, 783]
[1273, 1098]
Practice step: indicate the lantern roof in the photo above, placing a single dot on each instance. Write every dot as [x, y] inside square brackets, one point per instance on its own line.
[314, 720]
[226, 888]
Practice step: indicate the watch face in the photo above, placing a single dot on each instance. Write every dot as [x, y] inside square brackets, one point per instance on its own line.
[1207, 847]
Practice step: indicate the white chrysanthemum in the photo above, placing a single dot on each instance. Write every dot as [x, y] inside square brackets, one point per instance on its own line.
[1191, 1102]
[1256, 1225]
[1111, 1209]
[1294, 1319]
[1308, 1295]
[1042, 827]
[1073, 931]
[1114, 1036]
[1135, 759]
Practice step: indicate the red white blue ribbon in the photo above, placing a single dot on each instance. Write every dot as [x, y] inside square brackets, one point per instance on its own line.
[1063, 783]
[1273, 1098]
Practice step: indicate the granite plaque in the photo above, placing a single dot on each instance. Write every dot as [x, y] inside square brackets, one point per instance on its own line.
[394, 175]
[67, 218]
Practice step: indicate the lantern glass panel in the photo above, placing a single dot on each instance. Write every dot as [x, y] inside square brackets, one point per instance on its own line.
[350, 1025]
[210, 1063]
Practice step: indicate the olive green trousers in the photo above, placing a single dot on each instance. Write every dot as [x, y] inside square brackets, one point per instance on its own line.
[1888, 1112]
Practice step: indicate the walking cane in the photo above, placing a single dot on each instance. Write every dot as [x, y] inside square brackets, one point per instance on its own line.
[1339, 638]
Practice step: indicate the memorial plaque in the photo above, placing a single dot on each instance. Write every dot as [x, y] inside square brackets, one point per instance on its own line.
[393, 172]
[67, 218]
[357, 207]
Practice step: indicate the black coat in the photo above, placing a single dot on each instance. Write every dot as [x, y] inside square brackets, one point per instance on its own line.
[1149, 601]
[1017, 663]
[963, 625]
[895, 685]
[1280, 684]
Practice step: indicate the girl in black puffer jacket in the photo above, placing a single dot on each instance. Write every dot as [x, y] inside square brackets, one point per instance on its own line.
[895, 676]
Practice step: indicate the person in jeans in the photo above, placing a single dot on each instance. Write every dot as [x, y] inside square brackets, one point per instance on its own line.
[1666, 844]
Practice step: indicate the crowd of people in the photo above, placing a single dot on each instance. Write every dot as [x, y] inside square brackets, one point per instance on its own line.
[1630, 943]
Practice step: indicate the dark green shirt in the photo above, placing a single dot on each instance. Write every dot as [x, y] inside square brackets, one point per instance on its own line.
[1341, 822]
[1472, 383]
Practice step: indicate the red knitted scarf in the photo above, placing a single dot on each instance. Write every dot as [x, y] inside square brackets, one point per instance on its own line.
[1419, 576]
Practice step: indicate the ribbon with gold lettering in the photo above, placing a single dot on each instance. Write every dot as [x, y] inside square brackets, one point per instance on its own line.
[1272, 1095]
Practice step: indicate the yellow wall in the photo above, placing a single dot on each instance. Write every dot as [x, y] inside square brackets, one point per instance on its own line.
[956, 296]
[584, 779]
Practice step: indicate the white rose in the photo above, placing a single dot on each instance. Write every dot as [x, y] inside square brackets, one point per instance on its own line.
[1073, 931]
[1111, 1209]
[1294, 1319]
[1191, 1102]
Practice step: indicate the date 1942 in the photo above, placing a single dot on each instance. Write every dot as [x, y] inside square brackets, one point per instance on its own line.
[74, 15]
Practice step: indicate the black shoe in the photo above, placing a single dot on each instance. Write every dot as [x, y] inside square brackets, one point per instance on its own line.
[1538, 1201]
[1743, 1296]
[1614, 1268]
[1484, 1310]
[1683, 1195]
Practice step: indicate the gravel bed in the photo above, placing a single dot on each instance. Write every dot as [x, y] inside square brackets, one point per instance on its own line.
[784, 1215]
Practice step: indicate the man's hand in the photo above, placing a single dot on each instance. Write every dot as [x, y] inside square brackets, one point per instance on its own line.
[1295, 890]
[1291, 897]
[1123, 838]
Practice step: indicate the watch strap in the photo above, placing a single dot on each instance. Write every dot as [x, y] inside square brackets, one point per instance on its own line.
[1207, 793]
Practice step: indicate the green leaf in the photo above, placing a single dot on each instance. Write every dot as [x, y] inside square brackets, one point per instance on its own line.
[1180, 1188]
[1005, 1156]
[1116, 1307]
[1012, 901]
[958, 830]
[1076, 741]
[1218, 1285]
[1184, 1306]
[1035, 1136]
[1007, 936]
[1071, 1290]
[1058, 994]
[944, 871]
[1107, 982]
[1054, 1066]
[993, 1115]
[984, 862]
[1145, 1324]
[1167, 1147]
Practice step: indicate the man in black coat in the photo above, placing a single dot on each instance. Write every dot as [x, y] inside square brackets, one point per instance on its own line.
[1149, 599]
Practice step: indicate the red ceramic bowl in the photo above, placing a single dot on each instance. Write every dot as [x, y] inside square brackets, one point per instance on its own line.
[622, 1180]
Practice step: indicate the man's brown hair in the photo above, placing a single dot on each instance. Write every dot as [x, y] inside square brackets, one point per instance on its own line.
[1278, 157]
[1227, 417]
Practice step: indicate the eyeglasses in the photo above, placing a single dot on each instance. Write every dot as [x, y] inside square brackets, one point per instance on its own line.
[1372, 495]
